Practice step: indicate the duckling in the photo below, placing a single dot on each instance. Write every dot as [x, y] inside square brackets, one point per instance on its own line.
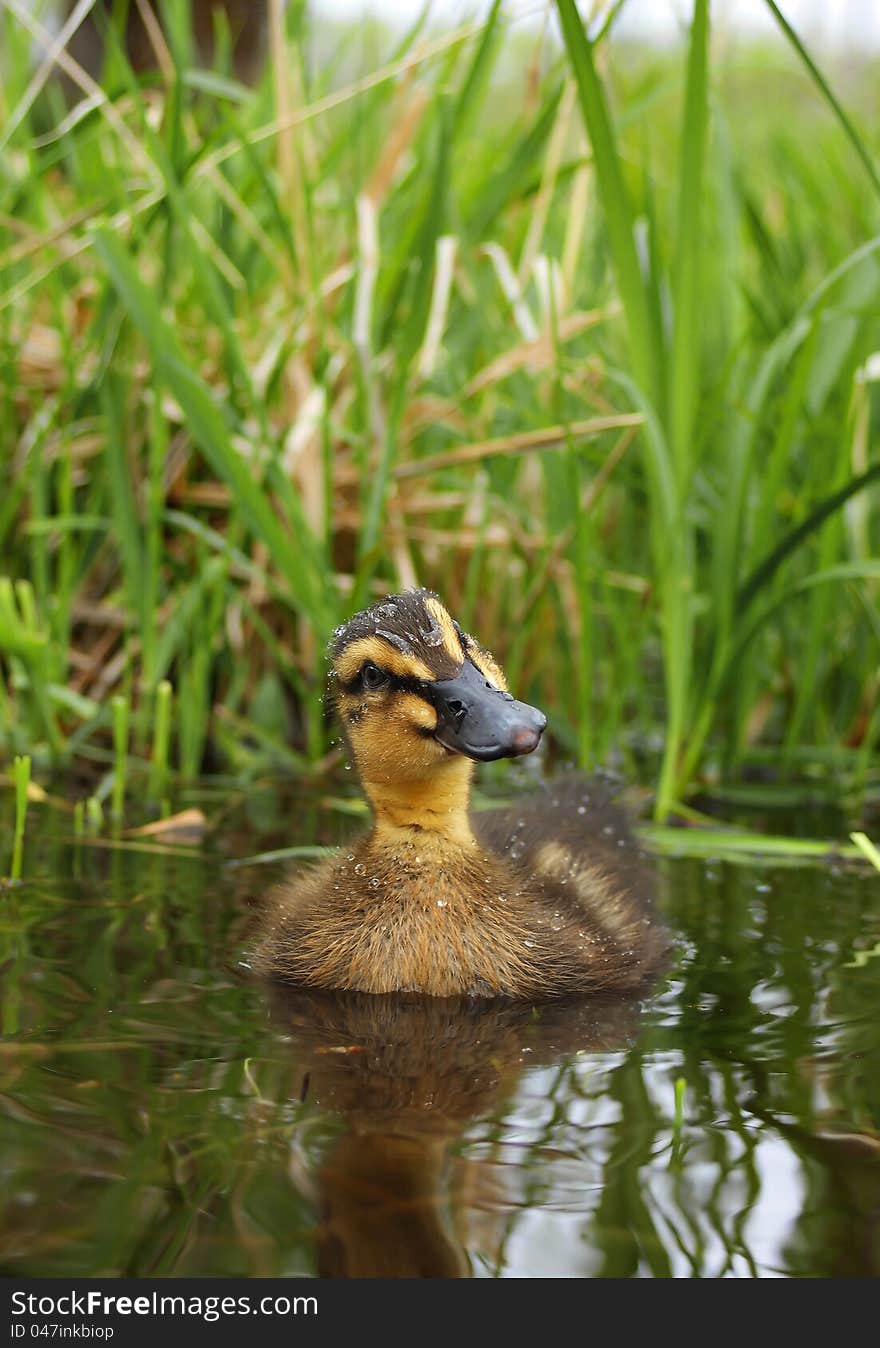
[544, 900]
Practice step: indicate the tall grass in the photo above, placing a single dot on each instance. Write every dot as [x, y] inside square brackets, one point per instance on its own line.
[578, 334]
[733, 590]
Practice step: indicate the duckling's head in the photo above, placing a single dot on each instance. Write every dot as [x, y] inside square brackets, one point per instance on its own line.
[414, 692]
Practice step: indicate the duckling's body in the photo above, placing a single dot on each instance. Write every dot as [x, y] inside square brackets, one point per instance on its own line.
[542, 900]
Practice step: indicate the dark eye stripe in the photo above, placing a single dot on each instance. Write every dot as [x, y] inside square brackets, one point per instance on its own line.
[397, 682]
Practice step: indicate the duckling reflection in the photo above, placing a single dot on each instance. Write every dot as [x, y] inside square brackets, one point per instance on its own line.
[409, 1075]
[544, 900]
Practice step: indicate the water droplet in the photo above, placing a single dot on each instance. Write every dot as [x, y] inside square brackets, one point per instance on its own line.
[556, 922]
[530, 944]
[398, 642]
[360, 868]
[375, 882]
[441, 903]
[350, 856]
[582, 809]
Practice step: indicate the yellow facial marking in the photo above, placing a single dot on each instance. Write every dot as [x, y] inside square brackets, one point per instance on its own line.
[410, 710]
[383, 654]
[377, 723]
[485, 663]
[392, 741]
[451, 642]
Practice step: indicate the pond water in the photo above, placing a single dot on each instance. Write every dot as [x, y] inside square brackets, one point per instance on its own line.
[160, 1115]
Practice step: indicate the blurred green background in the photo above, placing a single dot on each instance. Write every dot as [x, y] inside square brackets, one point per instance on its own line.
[579, 330]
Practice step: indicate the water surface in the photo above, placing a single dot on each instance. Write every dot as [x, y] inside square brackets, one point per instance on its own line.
[162, 1115]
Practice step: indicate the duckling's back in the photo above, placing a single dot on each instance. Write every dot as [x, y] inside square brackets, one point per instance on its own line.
[590, 886]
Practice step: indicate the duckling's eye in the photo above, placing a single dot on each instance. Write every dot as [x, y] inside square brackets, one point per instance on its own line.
[372, 677]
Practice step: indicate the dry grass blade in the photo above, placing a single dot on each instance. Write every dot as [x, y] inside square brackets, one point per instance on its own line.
[527, 442]
[539, 354]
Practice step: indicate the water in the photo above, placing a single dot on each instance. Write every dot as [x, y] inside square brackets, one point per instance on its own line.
[161, 1115]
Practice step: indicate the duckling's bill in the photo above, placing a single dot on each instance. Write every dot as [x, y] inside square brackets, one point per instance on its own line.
[480, 720]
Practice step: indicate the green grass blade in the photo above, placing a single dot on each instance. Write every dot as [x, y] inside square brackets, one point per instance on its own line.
[867, 848]
[309, 591]
[728, 845]
[645, 340]
[686, 354]
[765, 570]
[474, 86]
[840, 113]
